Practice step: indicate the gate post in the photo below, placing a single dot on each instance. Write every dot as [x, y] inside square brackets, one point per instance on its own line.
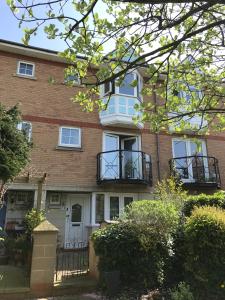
[43, 258]
[93, 262]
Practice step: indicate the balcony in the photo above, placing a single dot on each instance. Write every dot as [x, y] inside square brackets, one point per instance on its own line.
[196, 171]
[124, 166]
[120, 112]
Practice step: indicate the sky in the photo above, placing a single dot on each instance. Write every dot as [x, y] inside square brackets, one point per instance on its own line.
[9, 30]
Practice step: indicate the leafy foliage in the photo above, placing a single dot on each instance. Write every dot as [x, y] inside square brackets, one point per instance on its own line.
[161, 216]
[139, 245]
[32, 219]
[170, 191]
[182, 292]
[179, 43]
[204, 244]
[216, 199]
[14, 146]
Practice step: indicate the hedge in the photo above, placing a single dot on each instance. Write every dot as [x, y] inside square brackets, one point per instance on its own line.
[204, 248]
[217, 199]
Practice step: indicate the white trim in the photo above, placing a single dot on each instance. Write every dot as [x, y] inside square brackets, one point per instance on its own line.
[70, 145]
[19, 127]
[188, 153]
[107, 196]
[27, 63]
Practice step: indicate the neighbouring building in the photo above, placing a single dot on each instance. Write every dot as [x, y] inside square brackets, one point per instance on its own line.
[86, 167]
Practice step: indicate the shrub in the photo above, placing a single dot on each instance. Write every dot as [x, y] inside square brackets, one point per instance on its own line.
[217, 199]
[161, 216]
[182, 292]
[32, 219]
[171, 191]
[204, 244]
[139, 245]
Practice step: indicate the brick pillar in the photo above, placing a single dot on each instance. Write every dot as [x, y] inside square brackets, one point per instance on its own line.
[43, 258]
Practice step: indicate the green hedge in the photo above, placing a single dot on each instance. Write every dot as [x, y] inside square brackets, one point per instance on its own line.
[204, 248]
[139, 245]
[217, 199]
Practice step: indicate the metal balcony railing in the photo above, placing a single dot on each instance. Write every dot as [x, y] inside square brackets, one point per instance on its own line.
[124, 166]
[202, 170]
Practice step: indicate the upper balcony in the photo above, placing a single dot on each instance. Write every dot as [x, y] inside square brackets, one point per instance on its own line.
[196, 171]
[124, 166]
[121, 100]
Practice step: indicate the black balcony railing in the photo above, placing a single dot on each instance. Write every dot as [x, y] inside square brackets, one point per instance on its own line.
[124, 166]
[196, 170]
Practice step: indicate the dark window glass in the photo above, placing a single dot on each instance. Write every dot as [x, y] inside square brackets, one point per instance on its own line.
[127, 201]
[76, 213]
[114, 207]
[99, 208]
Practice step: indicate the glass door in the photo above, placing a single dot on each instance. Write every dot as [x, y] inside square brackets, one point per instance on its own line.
[131, 158]
[181, 162]
[110, 159]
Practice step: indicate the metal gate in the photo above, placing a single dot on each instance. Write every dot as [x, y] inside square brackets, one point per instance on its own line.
[72, 262]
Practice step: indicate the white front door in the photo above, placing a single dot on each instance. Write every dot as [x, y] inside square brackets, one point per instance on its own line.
[75, 223]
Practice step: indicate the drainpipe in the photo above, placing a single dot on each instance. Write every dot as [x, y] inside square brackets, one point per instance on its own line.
[157, 139]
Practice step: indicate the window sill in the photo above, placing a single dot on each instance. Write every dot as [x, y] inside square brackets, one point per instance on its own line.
[25, 77]
[69, 148]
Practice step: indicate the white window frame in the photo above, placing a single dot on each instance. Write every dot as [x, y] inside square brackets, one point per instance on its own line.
[107, 196]
[70, 145]
[19, 127]
[188, 149]
[27, 63]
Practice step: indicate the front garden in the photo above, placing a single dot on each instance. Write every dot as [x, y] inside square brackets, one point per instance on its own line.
[172, 248]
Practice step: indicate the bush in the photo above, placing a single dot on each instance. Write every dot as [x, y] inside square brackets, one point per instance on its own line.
[204, 244]
[182, 292]
[161, 216]
[217, 199]
[139, 245]
[32, 219]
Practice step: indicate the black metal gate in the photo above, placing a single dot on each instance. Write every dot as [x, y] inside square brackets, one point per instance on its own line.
[72, 262]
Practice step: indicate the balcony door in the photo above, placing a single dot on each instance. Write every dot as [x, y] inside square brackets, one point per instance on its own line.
[131, 158]
[189, 163]
[110, 158]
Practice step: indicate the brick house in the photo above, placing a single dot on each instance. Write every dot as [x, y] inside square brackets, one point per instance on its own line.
[85, 167]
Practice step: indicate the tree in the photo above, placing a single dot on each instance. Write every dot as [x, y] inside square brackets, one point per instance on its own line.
[178, 45]
[14, 146]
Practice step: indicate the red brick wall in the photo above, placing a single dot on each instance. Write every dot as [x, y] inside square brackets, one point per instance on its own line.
[48, 106]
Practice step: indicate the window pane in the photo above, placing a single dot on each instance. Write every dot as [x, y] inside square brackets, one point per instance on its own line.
[76, 213]
[26, 69]
[99, 208]
[127, 201]
[181, 164]
[70, 136]
[107, 87]
[125, 87]
[114, 207]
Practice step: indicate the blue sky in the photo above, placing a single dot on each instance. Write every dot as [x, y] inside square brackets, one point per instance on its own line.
[9, 30]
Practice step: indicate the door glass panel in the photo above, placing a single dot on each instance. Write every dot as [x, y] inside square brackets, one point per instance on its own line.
[99, 208]
[181, 164]
[131, 159]
[111, 160]
[76, 213]
[197, 162]
[114, 207]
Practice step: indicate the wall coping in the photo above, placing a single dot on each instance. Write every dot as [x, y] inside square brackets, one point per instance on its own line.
[45, 226]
